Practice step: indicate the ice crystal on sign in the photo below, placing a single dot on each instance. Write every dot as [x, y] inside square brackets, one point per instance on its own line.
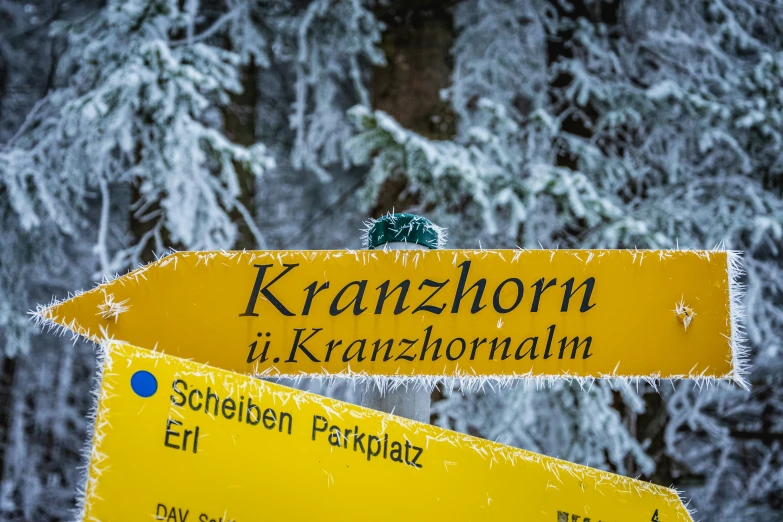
[110, 308]
[685, 313]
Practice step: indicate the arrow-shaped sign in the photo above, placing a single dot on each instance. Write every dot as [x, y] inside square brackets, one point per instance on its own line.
[457, 313]
[176, 440]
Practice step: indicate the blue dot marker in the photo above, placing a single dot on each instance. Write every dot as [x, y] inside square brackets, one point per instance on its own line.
[144, 384]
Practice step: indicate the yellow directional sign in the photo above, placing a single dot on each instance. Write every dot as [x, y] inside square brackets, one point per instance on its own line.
[588, 313]
[180, 441]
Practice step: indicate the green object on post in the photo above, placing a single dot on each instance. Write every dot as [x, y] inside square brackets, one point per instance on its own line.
[404, 228]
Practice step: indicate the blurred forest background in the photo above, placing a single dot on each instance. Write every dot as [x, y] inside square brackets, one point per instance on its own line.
[131, 126]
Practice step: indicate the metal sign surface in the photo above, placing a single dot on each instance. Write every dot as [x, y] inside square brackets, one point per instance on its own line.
[179, 441]
[457, 313]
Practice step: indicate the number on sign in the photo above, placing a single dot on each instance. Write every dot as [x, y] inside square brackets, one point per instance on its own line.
[655, 517]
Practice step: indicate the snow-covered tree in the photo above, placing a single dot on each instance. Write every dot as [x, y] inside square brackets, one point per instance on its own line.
[134, 113]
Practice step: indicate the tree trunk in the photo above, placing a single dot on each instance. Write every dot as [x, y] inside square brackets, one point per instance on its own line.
[7, 373]
[417, 43]
[239, 120]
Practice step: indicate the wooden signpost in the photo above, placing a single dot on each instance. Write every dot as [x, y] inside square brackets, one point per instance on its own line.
[180, 441]
[439, 313]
